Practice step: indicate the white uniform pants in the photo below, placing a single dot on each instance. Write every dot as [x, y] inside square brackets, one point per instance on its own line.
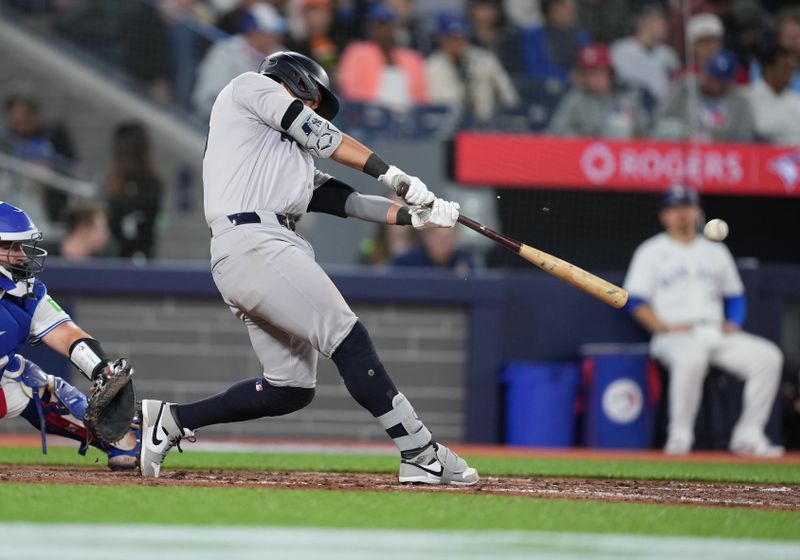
[753, 359]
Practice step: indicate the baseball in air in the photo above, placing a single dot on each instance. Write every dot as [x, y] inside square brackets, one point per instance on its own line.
[716, 229]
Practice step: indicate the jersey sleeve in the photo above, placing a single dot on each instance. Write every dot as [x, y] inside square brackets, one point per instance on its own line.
[262, 97]
[47, 316]
[640, 279]
[731, 281]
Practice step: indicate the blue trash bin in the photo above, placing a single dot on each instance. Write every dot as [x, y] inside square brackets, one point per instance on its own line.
[540, 403]
[618, 409]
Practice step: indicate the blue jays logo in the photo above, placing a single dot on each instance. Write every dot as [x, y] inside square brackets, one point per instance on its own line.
[787, 167]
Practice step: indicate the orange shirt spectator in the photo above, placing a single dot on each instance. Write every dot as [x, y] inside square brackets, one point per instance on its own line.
[378, 71]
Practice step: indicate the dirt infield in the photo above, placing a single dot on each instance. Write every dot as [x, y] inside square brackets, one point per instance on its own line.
[762, 496]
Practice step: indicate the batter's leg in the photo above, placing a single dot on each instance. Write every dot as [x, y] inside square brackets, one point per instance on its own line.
[687, 361]
[287, 385]
[283, 357]
[422, 459]
[758, 362]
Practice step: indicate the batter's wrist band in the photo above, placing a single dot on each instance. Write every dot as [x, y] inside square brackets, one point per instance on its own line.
[88, 356]
[403, 217]
[375, 166]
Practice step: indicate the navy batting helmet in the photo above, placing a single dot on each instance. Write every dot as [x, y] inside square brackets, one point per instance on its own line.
[304, 78]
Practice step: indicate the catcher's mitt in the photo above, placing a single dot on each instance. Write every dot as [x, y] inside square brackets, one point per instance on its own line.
[112, 403]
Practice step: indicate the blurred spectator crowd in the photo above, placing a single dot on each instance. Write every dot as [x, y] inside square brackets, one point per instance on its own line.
[700, 70]
[124, 225]
[706, 70]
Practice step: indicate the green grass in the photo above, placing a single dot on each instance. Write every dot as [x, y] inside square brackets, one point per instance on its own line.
[516, 466]
[147, 503]
[240, 506]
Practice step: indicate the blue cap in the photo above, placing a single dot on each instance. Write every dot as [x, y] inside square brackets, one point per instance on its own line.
[679, 194]
[722, 66]
[381, 13]
[451, 24]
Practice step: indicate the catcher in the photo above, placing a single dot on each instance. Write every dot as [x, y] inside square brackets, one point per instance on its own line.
[49, 403]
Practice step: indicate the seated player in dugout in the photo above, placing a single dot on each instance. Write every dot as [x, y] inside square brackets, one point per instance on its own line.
[686, 291]
[29, 314]
[259, 178]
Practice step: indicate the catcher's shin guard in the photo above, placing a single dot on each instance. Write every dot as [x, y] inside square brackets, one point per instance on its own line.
[63, 415]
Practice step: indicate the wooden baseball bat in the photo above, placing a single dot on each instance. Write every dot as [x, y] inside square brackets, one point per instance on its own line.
[593, 285]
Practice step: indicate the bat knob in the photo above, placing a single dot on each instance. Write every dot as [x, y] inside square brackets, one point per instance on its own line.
[402, 189]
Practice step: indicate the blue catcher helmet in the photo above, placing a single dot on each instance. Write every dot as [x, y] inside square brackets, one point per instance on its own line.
[19, 239]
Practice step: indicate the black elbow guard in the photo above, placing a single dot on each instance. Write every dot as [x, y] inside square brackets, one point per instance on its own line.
[331, 198]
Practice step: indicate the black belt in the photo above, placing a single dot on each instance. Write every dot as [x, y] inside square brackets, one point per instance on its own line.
[289, 222]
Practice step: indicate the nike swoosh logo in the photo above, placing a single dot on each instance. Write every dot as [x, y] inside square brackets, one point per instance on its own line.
[431, 471]
[155, 439]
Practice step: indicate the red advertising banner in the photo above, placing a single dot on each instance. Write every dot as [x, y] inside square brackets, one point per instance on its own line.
[528, 161]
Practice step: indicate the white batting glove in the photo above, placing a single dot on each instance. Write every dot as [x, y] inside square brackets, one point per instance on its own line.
[417, 192]
[441, 214]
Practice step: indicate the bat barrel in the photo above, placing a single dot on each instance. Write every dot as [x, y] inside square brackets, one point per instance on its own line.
[593, 285]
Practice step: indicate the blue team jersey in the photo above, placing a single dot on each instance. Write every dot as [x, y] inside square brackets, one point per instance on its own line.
[25, 315]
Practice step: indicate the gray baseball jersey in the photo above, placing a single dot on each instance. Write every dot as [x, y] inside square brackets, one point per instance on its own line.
[266, 273]
[250, 164]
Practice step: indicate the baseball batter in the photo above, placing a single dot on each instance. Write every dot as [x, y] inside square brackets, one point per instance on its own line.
[259, 178]
[27, 312]
[686, 291]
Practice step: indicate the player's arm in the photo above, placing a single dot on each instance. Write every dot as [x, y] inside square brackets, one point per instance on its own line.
[61, 338]
[321, 138]
[647, 318]
[69, 340]
[732, 288]
[53, 326]
[340, 199]
[337, 198]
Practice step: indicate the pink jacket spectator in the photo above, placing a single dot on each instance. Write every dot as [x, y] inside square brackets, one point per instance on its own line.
[362, 65]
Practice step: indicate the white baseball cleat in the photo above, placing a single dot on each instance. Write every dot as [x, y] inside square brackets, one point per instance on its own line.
[756, 447]
[437, 464]
[160, 433]
[678, 446]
